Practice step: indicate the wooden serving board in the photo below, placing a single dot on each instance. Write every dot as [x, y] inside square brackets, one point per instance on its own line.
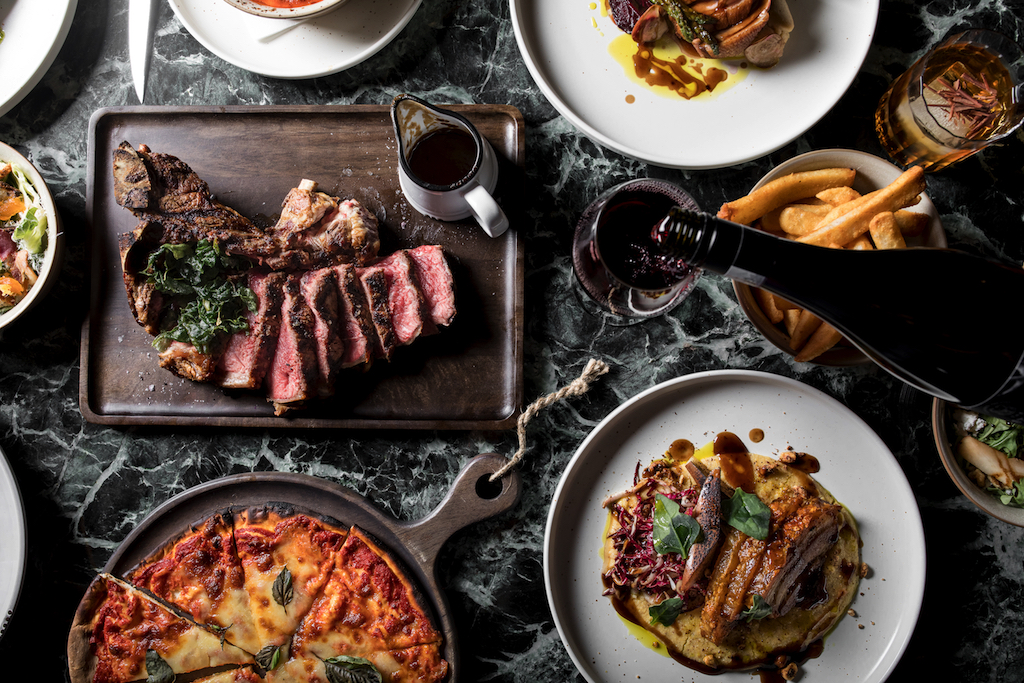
[414, 545]
[467, 377]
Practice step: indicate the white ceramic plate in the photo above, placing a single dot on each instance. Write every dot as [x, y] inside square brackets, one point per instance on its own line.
[856, 467]
[565, 46]
[318, 47]
[12, 543]
[34, 32]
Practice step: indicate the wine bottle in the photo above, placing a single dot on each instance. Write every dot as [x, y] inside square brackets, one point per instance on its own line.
[942, 320]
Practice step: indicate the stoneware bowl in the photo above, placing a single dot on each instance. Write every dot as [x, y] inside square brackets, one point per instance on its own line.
[942, 431]
[54, 238]
[309, 11]
[872, 173]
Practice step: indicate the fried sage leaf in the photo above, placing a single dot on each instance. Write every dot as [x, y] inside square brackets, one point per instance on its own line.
[346, 669]
[282, 590]
[666, 611]
[758, 610]
[157, 670]
[269, 657]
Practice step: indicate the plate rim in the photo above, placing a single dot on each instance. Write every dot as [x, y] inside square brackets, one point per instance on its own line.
[652, 156]
[273, 68]
[44, 65]
[899, 640]
[8, 603]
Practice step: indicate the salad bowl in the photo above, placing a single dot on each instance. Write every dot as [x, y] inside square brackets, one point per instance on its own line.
[50, 237]
[944, 433]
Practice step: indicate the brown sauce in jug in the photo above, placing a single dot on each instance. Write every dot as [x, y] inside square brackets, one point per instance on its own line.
[443, 157]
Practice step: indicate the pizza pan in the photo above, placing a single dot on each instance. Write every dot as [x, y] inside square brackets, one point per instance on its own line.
[414, 545]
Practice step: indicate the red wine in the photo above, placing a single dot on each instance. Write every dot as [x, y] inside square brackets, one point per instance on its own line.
[625, 246]
[922, 314]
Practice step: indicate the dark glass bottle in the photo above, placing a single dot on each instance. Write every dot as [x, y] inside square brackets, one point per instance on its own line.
[942, 320]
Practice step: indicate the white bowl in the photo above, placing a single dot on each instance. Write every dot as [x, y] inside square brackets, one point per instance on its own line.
[985, 501]
[304, 12]
[872, 173]
[54, 237]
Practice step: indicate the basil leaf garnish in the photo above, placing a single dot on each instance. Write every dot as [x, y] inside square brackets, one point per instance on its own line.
[346, 669]
[282, 589]
[745, 512]
[674, 530]
[666, 611]
[157, 670]
[758, 610]
[269, 657]
[221, 631]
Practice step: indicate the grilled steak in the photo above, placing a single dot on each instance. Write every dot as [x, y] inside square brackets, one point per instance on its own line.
[247, 355]
[436, 283]
[320, 291]
[325, 299]
[355, 325]
[375, 285]
[174, 205]
[292, 378]
[406, 304]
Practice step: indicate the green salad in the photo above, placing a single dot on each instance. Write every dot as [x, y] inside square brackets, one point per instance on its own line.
[22, 236]
[992, 451]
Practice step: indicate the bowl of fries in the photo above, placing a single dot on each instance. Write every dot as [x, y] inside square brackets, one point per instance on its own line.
[838, 198]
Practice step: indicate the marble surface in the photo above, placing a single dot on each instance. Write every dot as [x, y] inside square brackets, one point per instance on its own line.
[86, 486]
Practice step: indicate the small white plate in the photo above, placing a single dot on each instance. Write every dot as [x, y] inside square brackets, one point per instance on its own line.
[307, 49]
[12, 543]
[34, 33]
[565, 46]
[856, 467]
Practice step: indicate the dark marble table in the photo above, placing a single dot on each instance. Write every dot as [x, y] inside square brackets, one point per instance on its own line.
[86, 486]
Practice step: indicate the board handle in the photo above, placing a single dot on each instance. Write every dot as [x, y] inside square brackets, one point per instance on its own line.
[472, 498]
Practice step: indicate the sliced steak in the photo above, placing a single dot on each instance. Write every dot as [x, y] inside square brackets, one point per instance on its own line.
[355, 324]
[247, 355]
[406, 304]
[375, 285]
[292, 377]
[320, 290]
[435, 282]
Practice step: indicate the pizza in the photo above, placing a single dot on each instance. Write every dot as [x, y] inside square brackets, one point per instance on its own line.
[201, 574]
[366, 610]
[121, 634]
[277, 595]
[286, 559]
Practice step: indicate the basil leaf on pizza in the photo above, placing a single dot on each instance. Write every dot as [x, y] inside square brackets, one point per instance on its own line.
[157, 669]
[269, 657]
[282, 589]
[346, 669]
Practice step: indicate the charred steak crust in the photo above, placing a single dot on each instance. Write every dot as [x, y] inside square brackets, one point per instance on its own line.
[326, 301]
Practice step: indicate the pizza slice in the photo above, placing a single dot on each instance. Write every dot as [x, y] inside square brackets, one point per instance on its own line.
[367, 610]
[417, 664]
[201, 574]
[242, 675]
[287, 557]
[121, 634]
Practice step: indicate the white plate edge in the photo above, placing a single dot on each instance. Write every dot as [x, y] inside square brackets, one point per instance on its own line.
[890, 656]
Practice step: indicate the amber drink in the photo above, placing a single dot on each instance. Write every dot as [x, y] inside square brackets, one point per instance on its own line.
[960, 97]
